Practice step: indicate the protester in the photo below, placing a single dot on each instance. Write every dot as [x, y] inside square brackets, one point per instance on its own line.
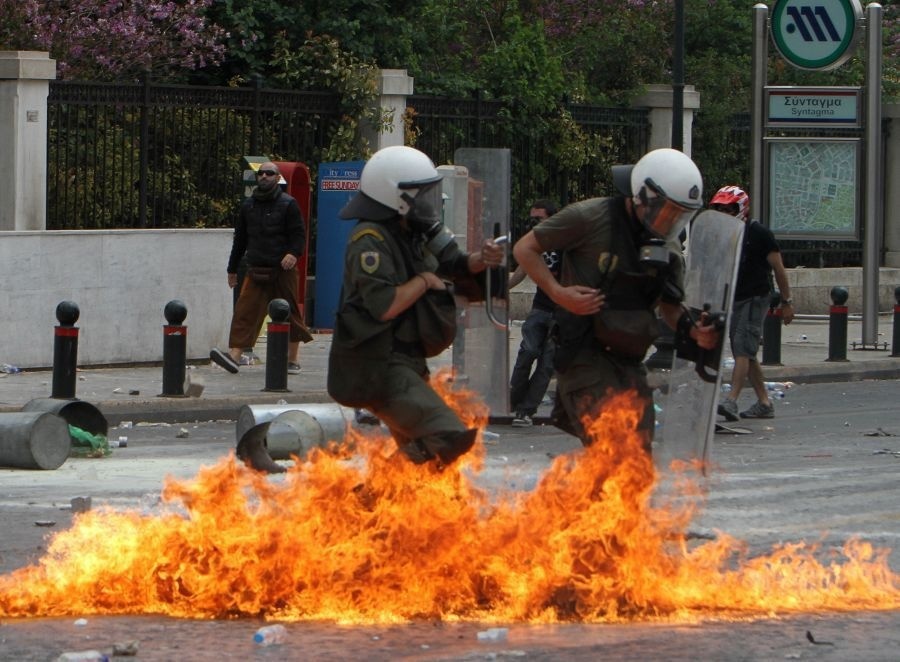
[527, 386]
[270, 231]
[621, 261]
[760, 258]
[396, 307]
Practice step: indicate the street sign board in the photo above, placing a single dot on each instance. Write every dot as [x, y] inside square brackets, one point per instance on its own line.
[813, 188]
[813, 106]
[816, 34]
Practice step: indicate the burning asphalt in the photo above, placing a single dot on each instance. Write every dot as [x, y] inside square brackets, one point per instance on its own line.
[354, 543]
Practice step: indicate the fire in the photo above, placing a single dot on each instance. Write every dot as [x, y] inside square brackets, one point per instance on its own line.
[356, 534]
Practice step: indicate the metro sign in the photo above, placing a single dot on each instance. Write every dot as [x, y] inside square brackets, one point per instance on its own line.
[816, 34]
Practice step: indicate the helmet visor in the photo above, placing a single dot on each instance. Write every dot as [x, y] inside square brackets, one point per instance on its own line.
[425, 201]
[663, 217]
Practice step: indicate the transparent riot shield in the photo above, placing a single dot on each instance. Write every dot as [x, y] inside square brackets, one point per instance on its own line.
[689, 400]
[481, 353]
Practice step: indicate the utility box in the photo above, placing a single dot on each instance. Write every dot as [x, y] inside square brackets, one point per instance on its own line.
[297, 184]
[338, 182]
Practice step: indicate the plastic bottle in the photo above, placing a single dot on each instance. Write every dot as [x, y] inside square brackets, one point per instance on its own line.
[83, 656]
[270, 635]
[493, 634]
[9, 369]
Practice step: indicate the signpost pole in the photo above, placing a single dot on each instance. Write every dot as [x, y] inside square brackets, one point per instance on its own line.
[873, 229]
[757, 116]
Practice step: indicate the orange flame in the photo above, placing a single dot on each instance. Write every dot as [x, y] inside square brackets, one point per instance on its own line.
[369, 537]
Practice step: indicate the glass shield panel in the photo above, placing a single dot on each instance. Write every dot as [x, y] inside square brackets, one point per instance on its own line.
[481, 353]
[688, 402]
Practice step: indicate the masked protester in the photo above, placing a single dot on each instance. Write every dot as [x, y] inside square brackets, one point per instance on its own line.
[396, 307]
[621, 263]
[760, 258]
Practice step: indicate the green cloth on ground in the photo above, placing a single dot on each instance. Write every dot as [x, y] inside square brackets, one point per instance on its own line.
[85, 444]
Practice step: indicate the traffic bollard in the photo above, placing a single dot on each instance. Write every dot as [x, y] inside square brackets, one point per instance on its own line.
[65, 350]
[896, 338]
[771, 353]
[174, 349]
[837, 325]
[277, 336]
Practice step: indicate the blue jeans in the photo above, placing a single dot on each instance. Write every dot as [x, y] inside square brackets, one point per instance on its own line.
[527, 388]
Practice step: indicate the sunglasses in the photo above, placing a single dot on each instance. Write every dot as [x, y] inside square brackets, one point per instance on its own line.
[267, 173]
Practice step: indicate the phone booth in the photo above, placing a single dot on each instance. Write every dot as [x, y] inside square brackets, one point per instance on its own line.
[296, 175]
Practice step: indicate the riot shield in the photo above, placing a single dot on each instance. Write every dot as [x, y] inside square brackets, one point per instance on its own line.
[689, 401]
[481, 352]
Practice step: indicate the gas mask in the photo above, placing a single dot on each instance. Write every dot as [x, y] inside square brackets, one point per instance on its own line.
[653, 255]
[424, 216]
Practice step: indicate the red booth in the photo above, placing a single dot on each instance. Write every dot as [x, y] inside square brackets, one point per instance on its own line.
[296, 175]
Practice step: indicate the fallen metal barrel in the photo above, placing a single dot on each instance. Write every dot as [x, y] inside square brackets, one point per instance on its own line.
[276, 432]
[33, 440]
[76, 412]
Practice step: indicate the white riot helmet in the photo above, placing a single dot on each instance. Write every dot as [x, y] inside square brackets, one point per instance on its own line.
[669, 187]
[396, 180]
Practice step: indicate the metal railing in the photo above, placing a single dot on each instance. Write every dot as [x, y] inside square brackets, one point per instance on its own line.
[136, 155]
[147, 155]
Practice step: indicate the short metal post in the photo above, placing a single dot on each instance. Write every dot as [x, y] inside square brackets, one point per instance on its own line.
[771, 354]
[277, 336]
[65, 350]
[837, 325]
[895, 344]
[174, 349]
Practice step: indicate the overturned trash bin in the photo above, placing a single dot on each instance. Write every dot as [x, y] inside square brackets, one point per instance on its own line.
[276, 432]
[33, 440]
[75, 412]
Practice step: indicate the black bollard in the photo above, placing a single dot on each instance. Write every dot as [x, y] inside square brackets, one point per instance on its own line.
[278, 333]
[896, 339]
[65, 350]
[837, 325]
[771, 353]
[174, 349]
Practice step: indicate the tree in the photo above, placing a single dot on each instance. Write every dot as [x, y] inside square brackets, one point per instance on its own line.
[113, 39]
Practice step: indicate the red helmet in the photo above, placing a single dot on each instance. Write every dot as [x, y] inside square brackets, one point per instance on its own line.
[731, 197]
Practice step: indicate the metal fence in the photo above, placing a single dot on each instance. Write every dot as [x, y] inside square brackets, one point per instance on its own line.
[136, 155]
[142, 155]
[439, 126]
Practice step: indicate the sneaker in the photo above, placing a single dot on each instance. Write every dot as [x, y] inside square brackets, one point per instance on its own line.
[223, 359]
[728, 409]
[521, 420]
[250, 358]
[293, 368]
[759, 410]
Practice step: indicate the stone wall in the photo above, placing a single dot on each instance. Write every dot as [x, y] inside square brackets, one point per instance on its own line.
[121, 281]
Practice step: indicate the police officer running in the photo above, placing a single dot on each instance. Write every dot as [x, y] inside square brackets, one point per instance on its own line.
[396, 307]
[621, 261]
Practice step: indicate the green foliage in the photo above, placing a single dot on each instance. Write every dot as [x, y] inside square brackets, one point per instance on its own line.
[190, 166]
[320, 63]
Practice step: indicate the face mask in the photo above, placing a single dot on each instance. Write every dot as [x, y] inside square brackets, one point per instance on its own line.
[424, 217]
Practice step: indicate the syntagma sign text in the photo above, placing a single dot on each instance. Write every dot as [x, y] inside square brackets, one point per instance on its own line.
[811, 107]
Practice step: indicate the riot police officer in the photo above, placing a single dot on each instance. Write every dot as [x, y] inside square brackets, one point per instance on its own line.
[396, 307]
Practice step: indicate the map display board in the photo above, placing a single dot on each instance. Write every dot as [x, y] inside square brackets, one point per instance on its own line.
[813, 188]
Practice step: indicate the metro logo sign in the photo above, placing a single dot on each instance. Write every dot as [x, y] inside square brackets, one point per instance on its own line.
[816, 34]
[812, 17]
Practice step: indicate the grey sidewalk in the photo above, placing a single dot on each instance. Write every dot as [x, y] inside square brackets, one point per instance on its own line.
[132, 392]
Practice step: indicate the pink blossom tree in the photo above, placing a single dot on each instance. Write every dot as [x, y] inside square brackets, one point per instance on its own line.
[114, 39]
